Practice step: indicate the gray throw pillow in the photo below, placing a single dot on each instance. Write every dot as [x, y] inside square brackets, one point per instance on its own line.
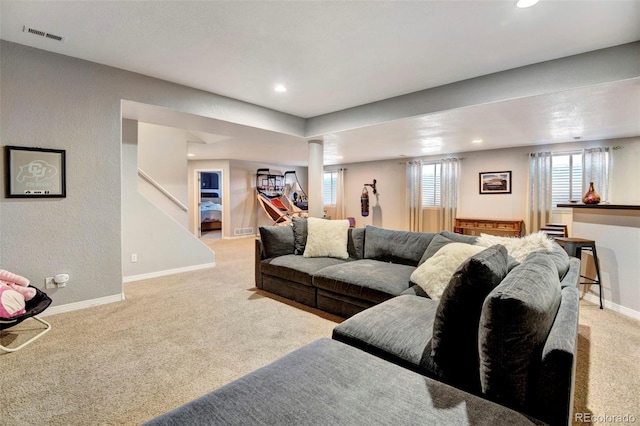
[276, 240]
[436, 244]
[455, 327]
[515, 322]
[299, 234]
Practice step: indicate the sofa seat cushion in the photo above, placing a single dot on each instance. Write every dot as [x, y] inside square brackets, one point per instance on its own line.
[329, 383]
[398, 330]
[297, 268]
[366, 279]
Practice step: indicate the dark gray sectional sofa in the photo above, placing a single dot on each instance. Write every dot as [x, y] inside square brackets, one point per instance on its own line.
[499, 347]
[379, 266]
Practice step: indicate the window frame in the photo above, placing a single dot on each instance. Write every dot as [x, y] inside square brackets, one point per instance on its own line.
[573, 162]
[435, 194]
[332, 187]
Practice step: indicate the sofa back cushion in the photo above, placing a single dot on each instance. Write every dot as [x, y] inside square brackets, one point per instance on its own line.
[355, 244]
[276, 240]
[561, 259]
[437, 242]
[455, 328]
[514, 324]
[459, 238]
[299, 225]
[404, 247]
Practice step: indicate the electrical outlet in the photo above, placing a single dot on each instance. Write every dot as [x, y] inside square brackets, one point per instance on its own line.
[49, 283]
[134, 258]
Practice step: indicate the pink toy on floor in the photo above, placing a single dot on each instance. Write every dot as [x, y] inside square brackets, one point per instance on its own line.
[17, 283]
[11, 302]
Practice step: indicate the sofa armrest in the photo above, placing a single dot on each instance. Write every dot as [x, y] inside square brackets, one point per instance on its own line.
[259, 256]
[556, 381]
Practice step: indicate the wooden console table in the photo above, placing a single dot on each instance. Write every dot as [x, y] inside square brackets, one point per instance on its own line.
[509, 228]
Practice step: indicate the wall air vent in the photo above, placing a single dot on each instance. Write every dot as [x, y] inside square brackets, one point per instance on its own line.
[41, 33]
[242, 231]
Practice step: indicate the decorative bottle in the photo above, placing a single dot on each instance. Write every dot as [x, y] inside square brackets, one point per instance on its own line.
[591, 196]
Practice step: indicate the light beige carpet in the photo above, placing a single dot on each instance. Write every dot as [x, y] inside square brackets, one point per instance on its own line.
[178, 337]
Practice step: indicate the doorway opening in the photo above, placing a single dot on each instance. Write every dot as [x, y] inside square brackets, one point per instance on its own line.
[209, 201]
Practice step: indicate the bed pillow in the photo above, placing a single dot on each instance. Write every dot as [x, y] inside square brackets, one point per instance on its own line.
[299, 234]
[454, 343]
[327, 238]
[435, 273]
[519, 248]
[276, 240]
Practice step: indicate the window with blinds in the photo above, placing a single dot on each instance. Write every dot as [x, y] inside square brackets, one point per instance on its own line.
[566, 177]
[431, 185]
[329, 180]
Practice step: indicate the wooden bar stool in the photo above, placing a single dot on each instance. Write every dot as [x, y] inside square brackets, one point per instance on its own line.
[574, 247]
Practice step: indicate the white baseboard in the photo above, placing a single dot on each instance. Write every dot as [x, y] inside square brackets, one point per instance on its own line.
[82, 305]
[612, 306]
[166, 272]
[235, 237]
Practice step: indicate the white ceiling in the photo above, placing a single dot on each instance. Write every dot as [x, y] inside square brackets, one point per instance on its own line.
[341, 54]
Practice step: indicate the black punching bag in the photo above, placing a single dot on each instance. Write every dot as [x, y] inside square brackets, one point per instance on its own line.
[364, 202]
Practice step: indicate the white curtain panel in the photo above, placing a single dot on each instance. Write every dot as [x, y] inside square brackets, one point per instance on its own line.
[449, 173]
[595, 168]
[414, 195]
[540, 204]
[341, 212]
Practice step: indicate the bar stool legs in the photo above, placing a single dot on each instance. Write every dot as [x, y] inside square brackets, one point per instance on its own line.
[574, 247]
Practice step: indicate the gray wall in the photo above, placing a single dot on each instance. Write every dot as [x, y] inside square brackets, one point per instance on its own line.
[54, 101]
[161, 244]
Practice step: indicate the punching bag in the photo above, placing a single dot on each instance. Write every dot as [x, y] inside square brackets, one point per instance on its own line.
[364, 202]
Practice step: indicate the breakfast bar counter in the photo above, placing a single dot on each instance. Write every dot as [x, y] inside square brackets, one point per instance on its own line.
[616, 231]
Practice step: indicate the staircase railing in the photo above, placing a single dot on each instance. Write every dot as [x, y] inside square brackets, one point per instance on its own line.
[162, 190]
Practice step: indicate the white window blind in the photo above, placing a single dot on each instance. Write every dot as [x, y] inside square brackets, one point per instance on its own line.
[329, 181]
[566, 177]
[431, 185]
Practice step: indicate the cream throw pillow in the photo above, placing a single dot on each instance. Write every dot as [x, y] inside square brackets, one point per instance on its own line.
[518, 248]
[435, 273]
[327, 238]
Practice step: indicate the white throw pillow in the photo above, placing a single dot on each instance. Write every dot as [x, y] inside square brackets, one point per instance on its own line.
[327, 238]
[435, 273]
[518, 248]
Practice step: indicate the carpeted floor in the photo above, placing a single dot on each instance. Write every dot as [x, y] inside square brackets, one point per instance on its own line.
[178, 337]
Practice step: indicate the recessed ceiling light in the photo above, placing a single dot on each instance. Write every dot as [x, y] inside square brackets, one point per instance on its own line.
[280, 88]
[525, 3]
[476, 141]
[191, 155]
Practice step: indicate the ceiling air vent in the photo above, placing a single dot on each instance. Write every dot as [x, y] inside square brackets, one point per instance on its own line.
[41, 33]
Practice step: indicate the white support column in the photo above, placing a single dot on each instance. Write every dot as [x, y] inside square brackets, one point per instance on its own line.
[316, 170]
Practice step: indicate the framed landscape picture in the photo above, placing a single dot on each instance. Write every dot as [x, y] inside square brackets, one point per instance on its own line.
[495, 182]
[34, 172]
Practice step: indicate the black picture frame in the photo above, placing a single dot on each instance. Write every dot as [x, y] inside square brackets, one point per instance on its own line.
[34, 172]
[495, 182]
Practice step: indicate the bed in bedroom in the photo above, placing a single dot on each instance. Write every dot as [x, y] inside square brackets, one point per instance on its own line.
[210, 214]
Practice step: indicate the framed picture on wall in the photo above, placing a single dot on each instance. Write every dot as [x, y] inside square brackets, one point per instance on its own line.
[495, 182]
[34, 172]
